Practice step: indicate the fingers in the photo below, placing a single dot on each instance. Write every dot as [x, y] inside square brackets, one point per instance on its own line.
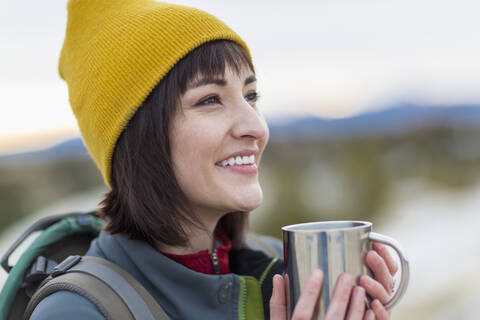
[307, 303]
[380, 314]
[380, 270]
[369, 315]
[383, 251]
[357, 304]
[380, 311]
[278, 307]
[374, 289]
[345, 298]
[340, 298]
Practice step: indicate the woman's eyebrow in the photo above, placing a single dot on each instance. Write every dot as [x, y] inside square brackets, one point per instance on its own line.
[250, 80]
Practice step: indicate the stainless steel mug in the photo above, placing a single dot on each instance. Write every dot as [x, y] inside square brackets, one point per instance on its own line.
[334, 247]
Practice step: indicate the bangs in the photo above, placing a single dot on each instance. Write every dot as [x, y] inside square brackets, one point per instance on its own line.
[210, 60]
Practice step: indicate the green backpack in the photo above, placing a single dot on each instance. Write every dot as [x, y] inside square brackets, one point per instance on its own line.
[54, 261]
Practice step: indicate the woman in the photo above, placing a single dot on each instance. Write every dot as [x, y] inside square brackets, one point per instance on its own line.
[165, 97]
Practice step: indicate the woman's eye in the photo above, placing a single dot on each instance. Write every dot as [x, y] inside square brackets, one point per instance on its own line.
[252, 97]
[209, 100]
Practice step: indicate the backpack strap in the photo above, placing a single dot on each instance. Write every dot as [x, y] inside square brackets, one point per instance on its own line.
[60, 236]
[113, 291]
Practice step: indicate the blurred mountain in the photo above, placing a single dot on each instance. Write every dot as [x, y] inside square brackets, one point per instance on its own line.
[397, 119]
[72, 148]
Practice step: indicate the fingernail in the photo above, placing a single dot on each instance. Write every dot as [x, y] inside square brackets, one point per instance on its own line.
[359, 291]
[346, 277]
[277, 278]
[365, 279]
[376, 303]
[273, 290]
[372, 256]
[317, 274]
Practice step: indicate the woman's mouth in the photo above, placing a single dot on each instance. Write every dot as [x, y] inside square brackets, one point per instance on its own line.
[239, 164]
[237, 161]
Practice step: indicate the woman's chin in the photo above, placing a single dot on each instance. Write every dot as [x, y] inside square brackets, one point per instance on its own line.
[250, 202]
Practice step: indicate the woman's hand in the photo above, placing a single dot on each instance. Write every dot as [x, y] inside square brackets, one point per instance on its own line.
[348, 301]
[384, 267]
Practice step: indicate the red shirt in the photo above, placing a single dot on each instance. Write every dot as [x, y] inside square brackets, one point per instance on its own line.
[202, 261]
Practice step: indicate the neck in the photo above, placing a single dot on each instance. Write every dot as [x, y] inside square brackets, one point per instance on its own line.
[199, 239]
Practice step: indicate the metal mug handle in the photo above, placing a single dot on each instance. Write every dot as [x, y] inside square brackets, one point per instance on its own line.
[404, 265]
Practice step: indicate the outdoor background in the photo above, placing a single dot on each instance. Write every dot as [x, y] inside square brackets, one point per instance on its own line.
[374, 112]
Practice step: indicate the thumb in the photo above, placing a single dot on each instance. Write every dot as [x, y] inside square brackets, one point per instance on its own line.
[278, 307]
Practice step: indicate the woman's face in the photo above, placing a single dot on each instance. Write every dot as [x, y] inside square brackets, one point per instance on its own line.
[217, 140]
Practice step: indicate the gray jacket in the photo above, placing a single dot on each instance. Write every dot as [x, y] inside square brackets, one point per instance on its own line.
[182, 293]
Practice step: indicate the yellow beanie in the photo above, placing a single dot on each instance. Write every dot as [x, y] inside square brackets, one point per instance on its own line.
[113, 55]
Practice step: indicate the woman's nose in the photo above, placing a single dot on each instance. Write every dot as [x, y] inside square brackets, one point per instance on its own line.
[248, 122]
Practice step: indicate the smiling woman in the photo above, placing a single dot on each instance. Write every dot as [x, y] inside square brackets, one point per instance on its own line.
[180, 148]
[166, 101]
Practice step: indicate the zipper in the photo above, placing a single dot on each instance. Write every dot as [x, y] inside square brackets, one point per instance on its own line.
[216, 265]
[242, 299]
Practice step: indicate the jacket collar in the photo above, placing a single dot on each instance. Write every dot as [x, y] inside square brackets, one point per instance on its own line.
[170, 283]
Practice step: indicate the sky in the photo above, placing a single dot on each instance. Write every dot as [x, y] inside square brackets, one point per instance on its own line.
[327, 58]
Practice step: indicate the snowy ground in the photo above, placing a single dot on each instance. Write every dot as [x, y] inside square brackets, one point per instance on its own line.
[439, 231]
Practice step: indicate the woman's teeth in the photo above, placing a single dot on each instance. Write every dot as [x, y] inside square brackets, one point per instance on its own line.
[237, 161]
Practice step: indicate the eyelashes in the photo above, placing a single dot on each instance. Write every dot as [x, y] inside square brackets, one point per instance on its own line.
[252, 97]
[208, 101]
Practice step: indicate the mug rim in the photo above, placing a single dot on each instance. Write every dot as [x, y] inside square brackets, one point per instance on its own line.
[299, 226]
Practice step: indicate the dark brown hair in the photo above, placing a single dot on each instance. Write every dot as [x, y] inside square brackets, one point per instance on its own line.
[146, 201]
